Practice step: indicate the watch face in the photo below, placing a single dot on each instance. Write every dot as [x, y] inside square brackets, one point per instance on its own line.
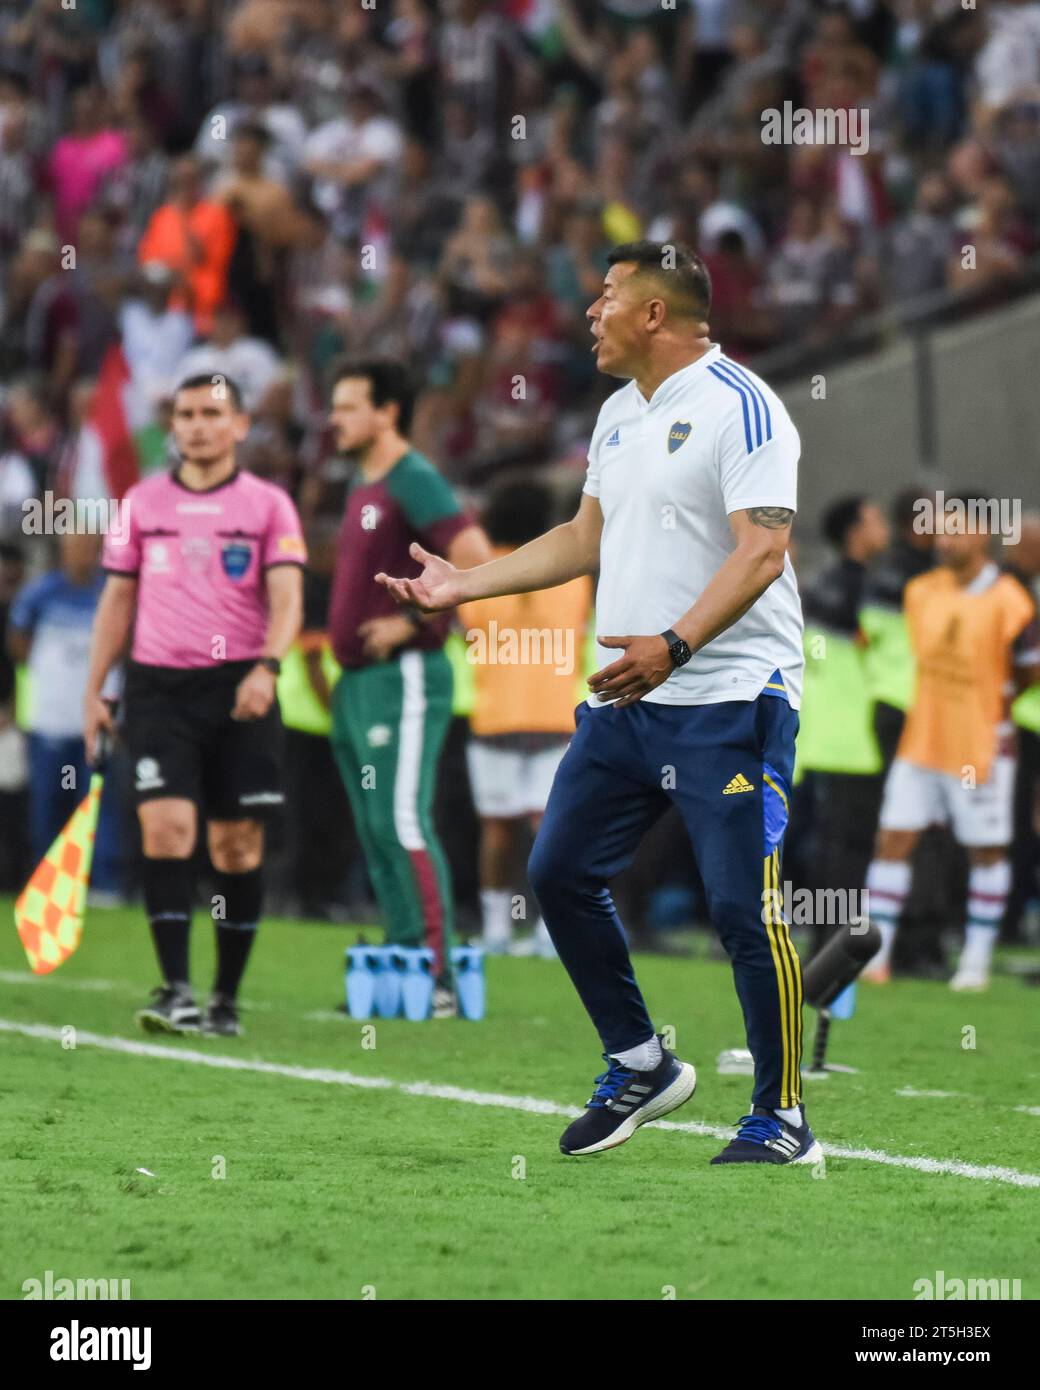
[680, 653]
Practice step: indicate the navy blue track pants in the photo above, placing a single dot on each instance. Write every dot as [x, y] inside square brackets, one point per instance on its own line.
[728, 768]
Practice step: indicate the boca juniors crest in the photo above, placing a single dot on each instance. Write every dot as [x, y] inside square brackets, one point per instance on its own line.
[235, 557]
[678, 435]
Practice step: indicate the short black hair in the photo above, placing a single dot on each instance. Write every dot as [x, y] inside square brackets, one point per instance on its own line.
[518, 510]
[839, 519]
[211, 379]
[388, 381]
[672, 265]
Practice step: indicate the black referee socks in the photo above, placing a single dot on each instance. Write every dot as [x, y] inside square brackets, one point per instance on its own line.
[238, 900]
[167, 900]
[243, 896]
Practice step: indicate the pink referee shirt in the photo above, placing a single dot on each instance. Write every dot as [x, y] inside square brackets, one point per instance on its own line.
[200, 560]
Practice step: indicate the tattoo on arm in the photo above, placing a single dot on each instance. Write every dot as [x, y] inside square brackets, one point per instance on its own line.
[772, 518]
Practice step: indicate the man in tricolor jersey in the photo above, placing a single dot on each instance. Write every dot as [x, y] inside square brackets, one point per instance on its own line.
[687, 509]
[208, 577]
[975, 640]
[392, 705]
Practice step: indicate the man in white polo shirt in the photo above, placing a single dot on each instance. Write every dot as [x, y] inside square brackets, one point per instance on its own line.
[686, 513]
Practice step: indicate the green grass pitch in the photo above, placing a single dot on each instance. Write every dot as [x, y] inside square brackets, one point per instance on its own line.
[345, 1191]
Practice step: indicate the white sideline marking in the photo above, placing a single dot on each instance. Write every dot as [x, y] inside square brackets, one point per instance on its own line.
[23, 977]
[1028, 1109]
[126, 987]
[910, 1094]
[530, 1105]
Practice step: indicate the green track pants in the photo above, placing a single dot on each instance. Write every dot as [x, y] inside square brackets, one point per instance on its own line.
[389, 722]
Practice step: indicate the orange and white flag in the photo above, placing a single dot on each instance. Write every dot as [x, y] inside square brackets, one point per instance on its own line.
[49, 910]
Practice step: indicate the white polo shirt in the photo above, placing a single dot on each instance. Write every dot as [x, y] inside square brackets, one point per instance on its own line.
[713, 439]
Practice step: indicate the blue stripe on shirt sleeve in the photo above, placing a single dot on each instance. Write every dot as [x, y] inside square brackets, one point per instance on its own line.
[742, 375]
[732, 376]
[741, 392]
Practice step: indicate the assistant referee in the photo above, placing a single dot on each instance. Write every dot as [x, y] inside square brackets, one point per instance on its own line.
[687, 510]
[208, 575]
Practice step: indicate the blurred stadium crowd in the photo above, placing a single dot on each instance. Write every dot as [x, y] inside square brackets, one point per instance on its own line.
[254, 187]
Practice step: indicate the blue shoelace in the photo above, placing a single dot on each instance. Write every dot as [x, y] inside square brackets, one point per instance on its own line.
[613, 1080]
[758, 1129]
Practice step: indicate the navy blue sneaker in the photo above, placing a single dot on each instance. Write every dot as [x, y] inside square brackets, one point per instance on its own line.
[625, 1099]
[763, 1137]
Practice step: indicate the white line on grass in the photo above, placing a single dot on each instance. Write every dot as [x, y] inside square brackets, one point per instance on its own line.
[124, 987]
[909, 1093]
[23, 977]
[529, 1104]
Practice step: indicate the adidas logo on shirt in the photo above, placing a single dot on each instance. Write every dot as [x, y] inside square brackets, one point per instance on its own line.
[615, 438]
[739, 784]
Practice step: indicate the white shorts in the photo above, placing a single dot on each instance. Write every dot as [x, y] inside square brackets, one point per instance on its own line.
[916, 797]
[507, 782]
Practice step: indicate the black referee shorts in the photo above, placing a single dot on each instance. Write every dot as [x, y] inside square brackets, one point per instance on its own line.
[183, 742]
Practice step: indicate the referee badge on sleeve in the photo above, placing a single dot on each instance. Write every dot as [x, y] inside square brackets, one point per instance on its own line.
[678, 435]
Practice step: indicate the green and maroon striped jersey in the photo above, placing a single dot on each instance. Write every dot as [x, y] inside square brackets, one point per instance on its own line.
[380, 521]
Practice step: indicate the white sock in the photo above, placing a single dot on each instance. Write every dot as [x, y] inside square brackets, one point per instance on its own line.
[988, 888]
[791, 1117]
[645, 1057]
[495, 904]
[888, 882]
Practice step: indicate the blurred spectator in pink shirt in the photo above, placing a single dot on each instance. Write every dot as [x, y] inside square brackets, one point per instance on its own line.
[83, 159]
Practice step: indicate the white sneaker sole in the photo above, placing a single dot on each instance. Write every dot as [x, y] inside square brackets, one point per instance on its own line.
[678, 1093]
[814, 1155]
[158, 1023]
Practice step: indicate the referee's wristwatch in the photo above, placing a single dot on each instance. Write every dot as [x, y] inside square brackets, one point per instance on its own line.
[677, 648]
[270, 663]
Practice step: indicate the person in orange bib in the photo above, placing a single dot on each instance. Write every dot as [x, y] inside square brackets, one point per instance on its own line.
[974, 636]
[526, 650]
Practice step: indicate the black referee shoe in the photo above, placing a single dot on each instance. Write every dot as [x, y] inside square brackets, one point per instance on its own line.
[625, 1099]
[171, 1009]
[221, 1018]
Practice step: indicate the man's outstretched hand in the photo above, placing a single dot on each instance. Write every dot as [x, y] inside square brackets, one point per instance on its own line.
[645, 663]
[438, 587]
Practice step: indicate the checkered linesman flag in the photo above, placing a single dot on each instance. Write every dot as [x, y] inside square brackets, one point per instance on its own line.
[49, 910]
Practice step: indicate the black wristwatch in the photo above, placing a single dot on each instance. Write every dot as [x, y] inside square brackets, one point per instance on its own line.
[677, 648]
[270, 663]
